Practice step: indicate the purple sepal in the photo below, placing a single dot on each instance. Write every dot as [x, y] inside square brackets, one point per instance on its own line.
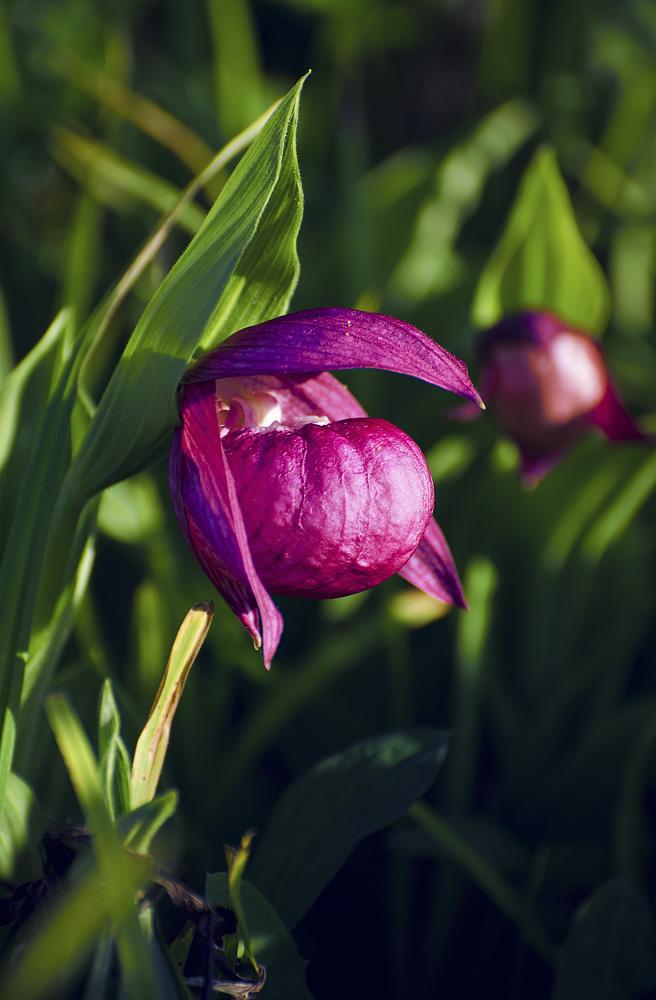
[208, 511]
[612, 417]
[433, 570]
[320, 340]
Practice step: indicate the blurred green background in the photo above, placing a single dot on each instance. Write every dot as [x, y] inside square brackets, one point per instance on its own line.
[417, 124]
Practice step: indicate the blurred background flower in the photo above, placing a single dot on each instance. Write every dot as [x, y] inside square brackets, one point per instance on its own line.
[546, 384]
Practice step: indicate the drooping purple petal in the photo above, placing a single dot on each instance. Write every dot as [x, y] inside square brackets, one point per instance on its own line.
[320, 340]
[433, 570]
[612, 417]
[206, 505]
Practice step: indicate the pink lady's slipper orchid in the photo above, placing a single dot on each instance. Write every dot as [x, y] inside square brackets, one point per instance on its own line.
[282, 484]
[547, 383]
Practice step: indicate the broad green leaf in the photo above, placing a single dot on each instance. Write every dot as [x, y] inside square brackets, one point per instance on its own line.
[272, 944]
[542, 260]
[154, 740]
[265, 277]
[138, 407]
[325, 814]
[19, 801]
[99, 979]
[610, 953]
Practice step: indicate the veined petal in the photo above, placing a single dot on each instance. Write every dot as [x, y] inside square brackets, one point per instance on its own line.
[320, 340]
[433, 570]
[207, 507]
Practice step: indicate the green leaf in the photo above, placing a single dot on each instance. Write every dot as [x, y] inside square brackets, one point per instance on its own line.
[238, 78]
[610, 953]
[112, 178]
[236, 860]
[272, 944]
[137, 829]
[325, 814]
[22, 397]
[138, 407]
[55, 954]
[114, 759]
[6, 351]
[542, 260]
[19, 800]
[121, 873]
[154, 740]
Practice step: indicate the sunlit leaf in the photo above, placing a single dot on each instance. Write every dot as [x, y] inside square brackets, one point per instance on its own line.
[19, 801]
[138, 407]
[153, 742]
[137, 829]
[542, 260]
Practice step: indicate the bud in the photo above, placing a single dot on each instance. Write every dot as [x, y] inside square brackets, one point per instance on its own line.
[547, 384]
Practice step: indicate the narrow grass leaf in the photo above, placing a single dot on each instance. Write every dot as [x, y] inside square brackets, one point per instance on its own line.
[14, 832]
[112, 753]
[122, 874]
[138, 828]
[113, 179]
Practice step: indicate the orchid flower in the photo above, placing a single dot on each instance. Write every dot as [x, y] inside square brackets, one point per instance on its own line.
[282, 484]
[547, 383]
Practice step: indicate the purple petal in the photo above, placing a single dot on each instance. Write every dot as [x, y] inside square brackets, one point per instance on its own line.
[330, 509]
[433, 570]
[535, 467]
[321, 340]
[207, 508]
[611, 417]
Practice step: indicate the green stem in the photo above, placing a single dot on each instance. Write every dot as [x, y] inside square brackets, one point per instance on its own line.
[484, 876]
